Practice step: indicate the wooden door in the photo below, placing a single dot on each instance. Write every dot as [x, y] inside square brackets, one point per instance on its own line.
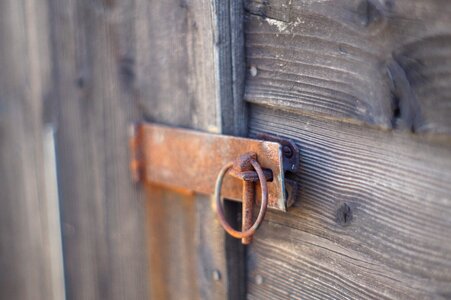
[361, 87]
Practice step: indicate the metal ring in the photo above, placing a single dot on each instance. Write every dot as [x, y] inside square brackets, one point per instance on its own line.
[264, 203]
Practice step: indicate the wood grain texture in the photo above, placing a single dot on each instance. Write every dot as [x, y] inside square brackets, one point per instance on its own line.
[176, 78]
[102, 213]
[376, 62]
[116, 63]
[186, 247]
[185, 75]
[372, 220]
[427, 68]
[230, 65]
[27, 240]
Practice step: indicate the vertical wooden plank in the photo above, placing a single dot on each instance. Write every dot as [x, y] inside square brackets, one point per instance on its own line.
[186, 247]
[102, 212]
[230, 80]
[172, 248]
[176, 80]
[29, 258]
[51, 204]
[117, 62]
[185, 78]
[229, 65]
[176, 73]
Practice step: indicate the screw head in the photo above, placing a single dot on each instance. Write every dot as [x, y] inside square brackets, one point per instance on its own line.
[259, 280]
[216, 275]
[287, 151]
[253, 71]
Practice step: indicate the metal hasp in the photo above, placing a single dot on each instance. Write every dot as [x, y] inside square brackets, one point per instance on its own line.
[191, 160]
[240, 168]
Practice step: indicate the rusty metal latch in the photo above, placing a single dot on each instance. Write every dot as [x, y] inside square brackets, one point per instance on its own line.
[191, 160]
[248, 170]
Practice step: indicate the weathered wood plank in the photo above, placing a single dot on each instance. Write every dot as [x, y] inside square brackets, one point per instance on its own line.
[172, 218]
[230, 65]
[116, 63]
[176, 74]
[187, 253]
[30, 243]
[372, 220]
[184, 78]
[382, 63]
[427, 67]
[102, 213]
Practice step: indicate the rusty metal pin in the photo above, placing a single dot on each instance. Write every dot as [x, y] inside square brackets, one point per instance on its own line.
[243, 164]
[247, 208]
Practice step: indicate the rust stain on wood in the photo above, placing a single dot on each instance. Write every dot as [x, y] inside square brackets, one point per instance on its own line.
[171, 230]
